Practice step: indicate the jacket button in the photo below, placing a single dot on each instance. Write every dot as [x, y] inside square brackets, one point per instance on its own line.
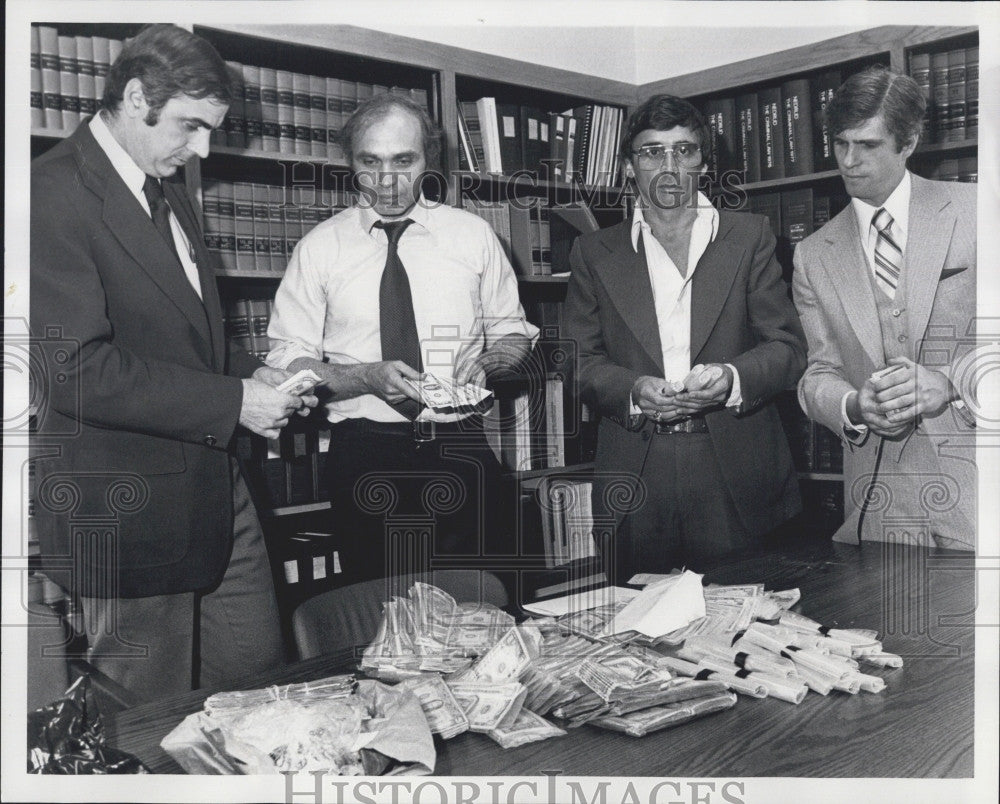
[901, 339]
[210, 440]
[645, 435]
[896, 313]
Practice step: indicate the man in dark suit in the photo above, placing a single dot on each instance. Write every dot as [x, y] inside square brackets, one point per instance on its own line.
[685, 332]
[887, 295]
[143, 513]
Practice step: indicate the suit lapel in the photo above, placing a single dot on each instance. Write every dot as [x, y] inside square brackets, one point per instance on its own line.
[134, 230]
[930, 231]
[710, 285]
[845, 261]
[626, 278]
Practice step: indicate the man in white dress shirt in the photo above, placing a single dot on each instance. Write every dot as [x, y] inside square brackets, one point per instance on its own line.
[886, 292]
[374, 297]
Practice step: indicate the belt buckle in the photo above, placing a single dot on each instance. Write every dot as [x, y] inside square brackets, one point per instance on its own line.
[423, 431]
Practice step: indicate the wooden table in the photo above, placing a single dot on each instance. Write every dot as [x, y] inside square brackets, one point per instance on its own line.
[921, 601]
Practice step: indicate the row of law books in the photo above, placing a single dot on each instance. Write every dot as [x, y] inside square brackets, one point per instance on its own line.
[774, 133]
[67, 76]
[950, 81]
[965, 169]
[579, 144]
[245, 322]
[255, 227]
[280, 111]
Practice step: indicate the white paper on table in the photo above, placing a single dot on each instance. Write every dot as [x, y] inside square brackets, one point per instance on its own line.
[581, 601]
[646, 578]
[662, 607]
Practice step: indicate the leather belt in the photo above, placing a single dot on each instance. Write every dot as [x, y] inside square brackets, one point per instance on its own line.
[696, 424]
[419, 431]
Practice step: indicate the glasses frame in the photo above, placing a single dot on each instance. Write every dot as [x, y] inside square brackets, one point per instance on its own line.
[641, 156]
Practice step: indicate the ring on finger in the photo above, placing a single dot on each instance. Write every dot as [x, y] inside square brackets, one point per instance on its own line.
[656, 416]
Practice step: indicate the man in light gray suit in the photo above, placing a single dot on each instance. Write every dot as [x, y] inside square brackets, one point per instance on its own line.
[887, 294]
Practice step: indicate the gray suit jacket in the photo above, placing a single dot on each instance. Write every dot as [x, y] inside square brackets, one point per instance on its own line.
[927, 476]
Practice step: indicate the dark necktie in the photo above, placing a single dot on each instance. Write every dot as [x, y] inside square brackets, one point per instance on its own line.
[397, 323]
[160, 211]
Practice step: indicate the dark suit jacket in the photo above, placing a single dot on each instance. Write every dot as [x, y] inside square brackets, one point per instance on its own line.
[139, 395]
[740, 314]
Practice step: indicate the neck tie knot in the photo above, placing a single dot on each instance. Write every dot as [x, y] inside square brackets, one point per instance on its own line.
[159, 211]
[394, 229]
[882, 220]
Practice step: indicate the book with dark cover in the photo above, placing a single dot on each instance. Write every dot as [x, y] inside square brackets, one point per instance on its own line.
[968, 169]
[821, 211]
[972, 92]
[520, 240]
[236, 124]
[531, 123]
[772, 138]
[768, 205]
[796, 225]
[956, 95]
[720, 114]
[822, 88]
[509, 128]
[748, 141]
[939, 86]
[798, 127]
[920, 71]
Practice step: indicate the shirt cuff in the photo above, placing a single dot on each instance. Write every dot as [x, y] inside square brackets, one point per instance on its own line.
[848, 424]
[736, 395]
[284, 352]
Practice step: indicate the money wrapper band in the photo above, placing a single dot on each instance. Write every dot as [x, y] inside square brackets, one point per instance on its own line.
[790, 690]
[737, 682]
[883, 659]
[740, 655]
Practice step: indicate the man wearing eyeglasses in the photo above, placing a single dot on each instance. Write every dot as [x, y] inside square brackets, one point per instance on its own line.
[685, 333]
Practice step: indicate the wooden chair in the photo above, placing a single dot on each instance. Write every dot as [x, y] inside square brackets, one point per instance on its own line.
[349, 616]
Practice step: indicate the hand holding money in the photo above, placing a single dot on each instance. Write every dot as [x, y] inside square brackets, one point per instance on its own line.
[705, 386]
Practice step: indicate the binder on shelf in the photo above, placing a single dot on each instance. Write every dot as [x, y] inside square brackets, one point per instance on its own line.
[748, 143]
[486, 109]
[236, 124]
[252, 109]
[269, 128]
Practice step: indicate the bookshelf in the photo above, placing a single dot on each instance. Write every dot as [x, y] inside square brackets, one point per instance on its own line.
[311, 182]
[798, 204]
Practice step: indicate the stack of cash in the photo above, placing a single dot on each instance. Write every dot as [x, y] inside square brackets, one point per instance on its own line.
[443, 396]
[444, 714]
[240, 700]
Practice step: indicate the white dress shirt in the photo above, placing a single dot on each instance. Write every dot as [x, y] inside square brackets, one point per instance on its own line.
[134, 178]
[672, 292]
[898, 206]
[464, 292]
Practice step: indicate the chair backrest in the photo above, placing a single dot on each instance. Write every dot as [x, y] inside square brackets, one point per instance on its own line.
[349, 616]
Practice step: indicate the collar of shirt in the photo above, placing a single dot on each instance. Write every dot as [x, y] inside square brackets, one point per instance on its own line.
[133, 175]
[897, 205]
[368, 218]
[708, 216]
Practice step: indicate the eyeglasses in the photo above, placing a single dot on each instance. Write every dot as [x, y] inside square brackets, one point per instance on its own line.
[651, 157]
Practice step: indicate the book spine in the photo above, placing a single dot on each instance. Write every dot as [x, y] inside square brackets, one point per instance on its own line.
[334, 119]
[555, 428]
[972, 92]
[920, 71]
[939, 84]
[246, 251]
[286, 112]
[317, 115]
[261, 228]
[772, 151]
[227, 225]
[292, 227]
[236, 124]
[88, 86]
[48, 58]
[956, 95]
[348, 99]
[470, 112]
[749, 139]
[210, 218]
[276, 228]
[269, 129]
[37, 101]
[69, 83]
[302, 114]
[253, 112]
[798, 127]
[102, 63]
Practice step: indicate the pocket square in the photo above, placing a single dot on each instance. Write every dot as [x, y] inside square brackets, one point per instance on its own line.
[947, 273]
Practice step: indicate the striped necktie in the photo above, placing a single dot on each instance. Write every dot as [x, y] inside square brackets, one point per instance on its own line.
[888, 254]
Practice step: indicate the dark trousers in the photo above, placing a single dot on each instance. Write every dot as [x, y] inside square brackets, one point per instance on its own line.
[166, 644]
[688, 516]
[401, 505]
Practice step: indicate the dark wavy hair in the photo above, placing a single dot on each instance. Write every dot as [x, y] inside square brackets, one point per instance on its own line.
[378, 108]
[878, 91]
[169, 62]
[664, 112]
